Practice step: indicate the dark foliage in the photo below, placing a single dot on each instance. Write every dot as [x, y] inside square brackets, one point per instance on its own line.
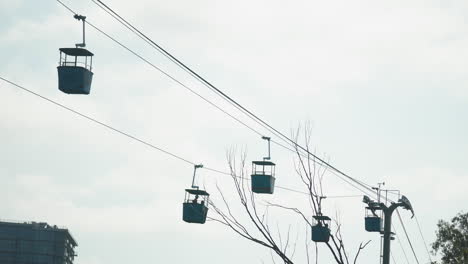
[452, 240]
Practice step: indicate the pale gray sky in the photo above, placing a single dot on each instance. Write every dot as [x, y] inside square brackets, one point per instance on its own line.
[384, 84]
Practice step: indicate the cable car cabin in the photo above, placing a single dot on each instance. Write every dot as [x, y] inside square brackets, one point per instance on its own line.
[263, 177]
[195, 206]
[373, 223]
[74, 70]
[321, 229]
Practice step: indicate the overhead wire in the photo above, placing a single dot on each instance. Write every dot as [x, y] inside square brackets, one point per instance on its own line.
[342, 196]
[407, 237]
[162, 71]
[401, 246]
[288, 189]
[393, 258]
[223, 95]
[369, 191]
[175, 80]
[211, 86]
[423, 239]
[168, 55]
[334, 169]
[164, 53]
[168, 75]
[142, 36]
[97, 121]
[135, 138]
[348, 179]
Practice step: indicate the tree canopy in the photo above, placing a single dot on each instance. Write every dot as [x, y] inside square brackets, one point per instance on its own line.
[452, 240]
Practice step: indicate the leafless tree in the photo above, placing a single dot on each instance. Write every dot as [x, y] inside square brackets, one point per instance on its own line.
[311, 172]
[257, 228]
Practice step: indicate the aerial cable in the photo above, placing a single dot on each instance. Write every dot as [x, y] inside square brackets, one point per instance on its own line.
[129, 26]
[165, 73]
[142, 36]
[401, 245]
[393, 258]
[161, 50]
[154, 66]
[165, 53]
[424, 240]
[286, 188]
[178, 157]
[407, 237]
[342, 196]
[98, 122]
[162, 71]
[170, 76]
[206, 100]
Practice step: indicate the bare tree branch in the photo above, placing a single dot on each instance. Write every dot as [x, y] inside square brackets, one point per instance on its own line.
[258, 221]
[361, 247]
[257, 227]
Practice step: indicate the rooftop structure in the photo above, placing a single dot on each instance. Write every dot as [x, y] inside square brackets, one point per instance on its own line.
[35, 243]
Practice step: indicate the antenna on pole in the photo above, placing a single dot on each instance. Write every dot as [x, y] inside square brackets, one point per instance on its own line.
[379, 190]
[82, 18]
[267, 139]
[194, 173]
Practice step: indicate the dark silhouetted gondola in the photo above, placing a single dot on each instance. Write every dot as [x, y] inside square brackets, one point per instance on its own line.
[321, 229]
[373, 223]
[75, 65]
[263, 174]
[195, 207]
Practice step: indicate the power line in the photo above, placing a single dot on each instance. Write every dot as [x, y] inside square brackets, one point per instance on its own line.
[407, 237]
[347, 179]
[170, 76]
[233, 102]
[288, 189]
[334, 171]
[162, 71]
[230, 100]
[98, 122]
[224, 95]
[393, 258]
[282, 136]
[424, 240]
[401, 245]
[178, 157]
[135, 138]
[170, 57]
[343, 196]
[161, 50]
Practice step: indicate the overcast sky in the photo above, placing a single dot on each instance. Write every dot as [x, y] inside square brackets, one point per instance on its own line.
[383, 84]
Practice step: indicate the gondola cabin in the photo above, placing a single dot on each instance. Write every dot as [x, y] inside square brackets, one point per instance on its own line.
[195, 207]
[74, 70]
[263, 177]
[373, 223]
[321, 229]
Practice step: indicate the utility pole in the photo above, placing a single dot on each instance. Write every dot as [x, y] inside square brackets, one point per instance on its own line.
[387, 211]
